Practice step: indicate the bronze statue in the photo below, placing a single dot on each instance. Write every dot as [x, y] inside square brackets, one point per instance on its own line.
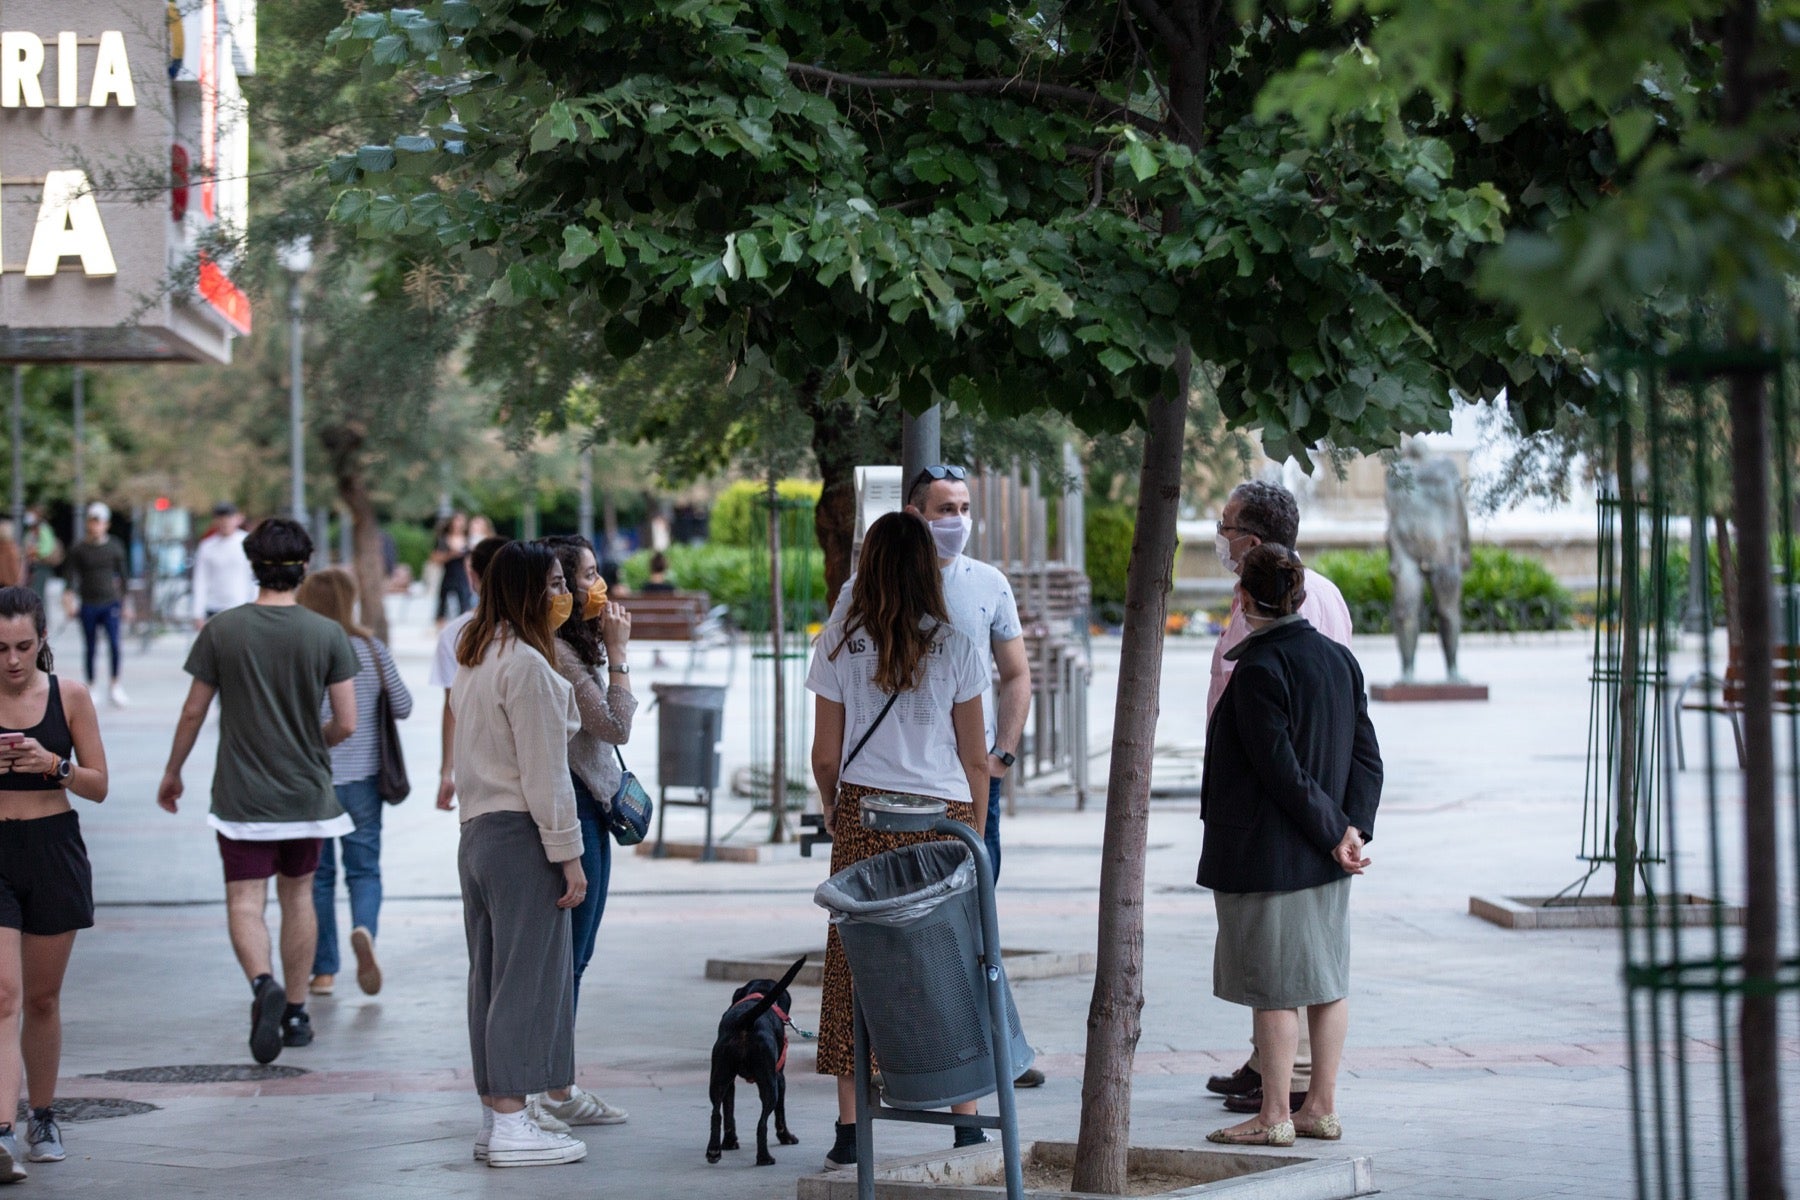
[1428, 540]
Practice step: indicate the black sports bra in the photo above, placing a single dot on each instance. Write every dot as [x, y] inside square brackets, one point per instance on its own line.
[52, 733]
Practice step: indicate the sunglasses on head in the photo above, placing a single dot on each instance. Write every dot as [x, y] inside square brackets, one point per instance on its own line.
[939, 473]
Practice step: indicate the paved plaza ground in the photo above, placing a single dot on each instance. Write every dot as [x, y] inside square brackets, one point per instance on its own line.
[1481, 1063]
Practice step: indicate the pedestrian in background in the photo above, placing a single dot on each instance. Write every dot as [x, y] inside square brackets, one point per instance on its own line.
[272, 664]
[43, 552]
[443, 671]
[519, 860]
[355, 762]
[97, 573]
[50, 748]
[590, 654]
[221, 577]
[451, 553]
[1289, 791]
[12, 557]
[898, 709]
[1257, 512]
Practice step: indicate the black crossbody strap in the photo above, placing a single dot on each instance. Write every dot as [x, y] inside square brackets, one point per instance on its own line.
[621, 758]
[863, 740]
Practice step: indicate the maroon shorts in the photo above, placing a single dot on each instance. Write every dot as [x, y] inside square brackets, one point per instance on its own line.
[295, 858]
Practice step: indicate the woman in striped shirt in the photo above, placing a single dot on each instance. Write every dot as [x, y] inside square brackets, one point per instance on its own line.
[354, 765]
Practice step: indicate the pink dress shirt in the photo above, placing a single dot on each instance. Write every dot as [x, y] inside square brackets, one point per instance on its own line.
[1324, 609]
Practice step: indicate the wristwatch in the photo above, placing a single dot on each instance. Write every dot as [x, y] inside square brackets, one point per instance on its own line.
[1005, 758]
[64, 768]
[619, 668]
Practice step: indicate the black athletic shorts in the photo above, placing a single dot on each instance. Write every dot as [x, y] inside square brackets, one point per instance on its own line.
[46, 886]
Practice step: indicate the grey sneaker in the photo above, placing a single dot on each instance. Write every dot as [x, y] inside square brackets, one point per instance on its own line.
[44, 1136]
[12, 1162]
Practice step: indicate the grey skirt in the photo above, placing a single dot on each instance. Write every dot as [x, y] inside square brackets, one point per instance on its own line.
[1283, 949]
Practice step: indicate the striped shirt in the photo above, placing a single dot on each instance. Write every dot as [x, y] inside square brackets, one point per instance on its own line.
[359, 756]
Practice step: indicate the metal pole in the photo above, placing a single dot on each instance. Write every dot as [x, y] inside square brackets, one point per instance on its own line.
[80, 455]
[18, 451]
[296, 406]
[778, 644]
[584, 503]
[919, 443]
[999, 1028]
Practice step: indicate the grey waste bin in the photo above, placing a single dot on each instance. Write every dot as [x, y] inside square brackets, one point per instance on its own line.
[689, 721]
[910, 921]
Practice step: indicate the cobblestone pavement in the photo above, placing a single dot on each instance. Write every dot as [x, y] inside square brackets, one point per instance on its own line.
[1482, 1063]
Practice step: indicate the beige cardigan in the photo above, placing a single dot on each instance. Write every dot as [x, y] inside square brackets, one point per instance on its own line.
[514, 718]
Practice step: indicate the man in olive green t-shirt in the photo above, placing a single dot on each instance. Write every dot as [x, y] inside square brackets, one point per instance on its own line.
[272, 663]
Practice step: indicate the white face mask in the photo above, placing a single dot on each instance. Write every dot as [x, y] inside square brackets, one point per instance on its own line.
[1222, 547]
[951, 534]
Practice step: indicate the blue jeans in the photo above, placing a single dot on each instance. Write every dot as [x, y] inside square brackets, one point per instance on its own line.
[596, 864]
[95, 617]
[362, 872]
[992, 834]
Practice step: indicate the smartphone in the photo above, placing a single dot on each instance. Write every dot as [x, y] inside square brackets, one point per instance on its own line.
[10, 739]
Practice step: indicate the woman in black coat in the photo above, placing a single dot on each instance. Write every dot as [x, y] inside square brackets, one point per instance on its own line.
[1292, 779]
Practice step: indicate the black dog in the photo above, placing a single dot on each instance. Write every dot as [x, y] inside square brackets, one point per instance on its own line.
[753, 1043]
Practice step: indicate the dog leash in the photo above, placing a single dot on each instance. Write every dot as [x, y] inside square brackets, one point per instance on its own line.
[805, 1035]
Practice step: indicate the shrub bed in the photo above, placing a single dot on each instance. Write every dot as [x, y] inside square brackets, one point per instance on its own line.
[1503, 592]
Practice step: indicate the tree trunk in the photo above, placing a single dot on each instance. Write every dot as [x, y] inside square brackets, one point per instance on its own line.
[841, 442]
[344, 443]
[1759, 1040]
[1629, 625]
[1114, 1012]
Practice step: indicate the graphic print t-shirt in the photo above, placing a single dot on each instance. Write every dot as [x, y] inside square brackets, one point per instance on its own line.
[914, 749]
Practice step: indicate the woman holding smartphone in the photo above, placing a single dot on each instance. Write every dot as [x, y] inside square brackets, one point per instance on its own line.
[49, 747]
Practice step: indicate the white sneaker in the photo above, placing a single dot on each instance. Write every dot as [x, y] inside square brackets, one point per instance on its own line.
[117, 695]
[518, 1142]
[583, 1108]
[542, 1117]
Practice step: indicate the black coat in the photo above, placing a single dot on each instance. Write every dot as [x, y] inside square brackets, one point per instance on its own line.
[1291, 763]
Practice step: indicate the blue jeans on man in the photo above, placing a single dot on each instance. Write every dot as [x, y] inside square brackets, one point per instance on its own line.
[596, 864]
[992, 834]
[94, 618]
[362, 872]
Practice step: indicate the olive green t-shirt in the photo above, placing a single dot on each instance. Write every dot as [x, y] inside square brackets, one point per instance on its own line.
[272, 665]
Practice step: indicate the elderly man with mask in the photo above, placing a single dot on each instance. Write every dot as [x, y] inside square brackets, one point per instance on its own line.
[1259, 512]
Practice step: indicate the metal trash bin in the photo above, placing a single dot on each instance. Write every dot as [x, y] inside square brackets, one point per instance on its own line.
[910, 922]
[690, 720]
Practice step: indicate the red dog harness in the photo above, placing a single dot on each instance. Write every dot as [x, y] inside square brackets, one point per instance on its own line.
[780, 1063]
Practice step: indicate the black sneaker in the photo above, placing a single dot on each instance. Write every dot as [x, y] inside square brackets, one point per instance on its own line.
[265, 1021]
[968, 1136]
[843, 1150]
[1030, 1077]
[296, 1030]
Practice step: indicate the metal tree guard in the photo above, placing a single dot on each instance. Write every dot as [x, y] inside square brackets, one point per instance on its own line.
[782, 608]
[1702, 1002]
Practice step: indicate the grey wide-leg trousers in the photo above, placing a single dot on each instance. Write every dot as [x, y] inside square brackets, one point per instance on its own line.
[521, 971]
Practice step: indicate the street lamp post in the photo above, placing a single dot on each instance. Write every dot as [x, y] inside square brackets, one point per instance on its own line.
[296, 259]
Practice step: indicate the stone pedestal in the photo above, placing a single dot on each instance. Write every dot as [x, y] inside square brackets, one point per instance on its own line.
[1427, 693]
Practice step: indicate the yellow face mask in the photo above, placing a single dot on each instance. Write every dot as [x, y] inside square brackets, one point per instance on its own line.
[560, 608]
[596, 600]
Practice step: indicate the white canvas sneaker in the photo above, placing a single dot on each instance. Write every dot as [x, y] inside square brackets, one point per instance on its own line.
[517, 1142]
[583, 1108]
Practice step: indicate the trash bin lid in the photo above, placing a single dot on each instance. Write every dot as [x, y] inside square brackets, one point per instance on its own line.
[899, 813]
[689, 695]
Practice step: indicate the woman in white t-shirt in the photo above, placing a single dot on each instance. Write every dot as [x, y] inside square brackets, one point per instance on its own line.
[898, 709]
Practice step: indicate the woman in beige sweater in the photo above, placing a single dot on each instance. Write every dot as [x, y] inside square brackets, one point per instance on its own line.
[520, 856]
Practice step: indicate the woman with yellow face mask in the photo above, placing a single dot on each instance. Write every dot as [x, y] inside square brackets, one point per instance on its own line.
[590, 654]
[519, 861]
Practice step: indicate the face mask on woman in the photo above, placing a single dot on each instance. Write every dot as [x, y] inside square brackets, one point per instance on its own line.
[951, 534]
[595, 602]
[560, 608]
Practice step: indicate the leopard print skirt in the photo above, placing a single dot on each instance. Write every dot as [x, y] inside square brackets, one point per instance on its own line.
[850, 844]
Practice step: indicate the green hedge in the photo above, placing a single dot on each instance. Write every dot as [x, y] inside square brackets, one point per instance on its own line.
[1503, 592]
[738, 519]
[1108, 540]
[412, 544]
[739, 577]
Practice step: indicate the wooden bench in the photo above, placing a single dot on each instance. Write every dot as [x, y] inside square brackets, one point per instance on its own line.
[1727, 696]
[665, 616]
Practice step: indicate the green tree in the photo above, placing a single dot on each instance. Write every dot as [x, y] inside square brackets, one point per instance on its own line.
[1053, 206]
